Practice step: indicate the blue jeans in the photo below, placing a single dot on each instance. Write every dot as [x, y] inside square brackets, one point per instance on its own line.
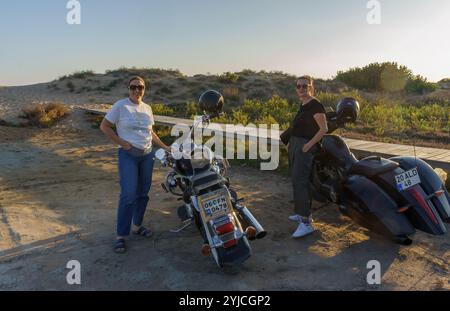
[135, 174]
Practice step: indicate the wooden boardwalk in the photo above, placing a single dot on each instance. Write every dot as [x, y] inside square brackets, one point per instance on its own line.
[361, 148]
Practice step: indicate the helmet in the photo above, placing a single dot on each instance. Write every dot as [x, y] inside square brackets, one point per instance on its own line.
[347, 110]
[211, 102]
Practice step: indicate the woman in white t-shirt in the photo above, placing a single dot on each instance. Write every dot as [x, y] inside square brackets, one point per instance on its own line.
[133, 120]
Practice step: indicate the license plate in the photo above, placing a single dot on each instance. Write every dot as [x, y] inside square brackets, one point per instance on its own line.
[407, 179]
[215, 205]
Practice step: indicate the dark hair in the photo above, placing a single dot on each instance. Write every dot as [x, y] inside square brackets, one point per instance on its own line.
[136, 78]
[310, 82]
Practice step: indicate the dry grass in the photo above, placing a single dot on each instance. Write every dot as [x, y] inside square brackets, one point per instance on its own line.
[44, 114]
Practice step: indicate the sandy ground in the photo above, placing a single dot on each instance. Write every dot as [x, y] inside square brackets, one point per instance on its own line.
[58, 198]
[13, 99]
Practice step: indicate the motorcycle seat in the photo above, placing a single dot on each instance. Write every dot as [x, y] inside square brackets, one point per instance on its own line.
[372, 166]
[205, 180]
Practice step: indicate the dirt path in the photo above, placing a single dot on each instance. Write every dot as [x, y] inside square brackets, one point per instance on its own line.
[58, 193]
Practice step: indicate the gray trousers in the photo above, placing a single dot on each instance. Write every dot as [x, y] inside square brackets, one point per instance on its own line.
[300, 164]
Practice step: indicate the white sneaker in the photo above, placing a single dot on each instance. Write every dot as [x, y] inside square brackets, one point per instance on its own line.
[302, 230]
[298, 218]
[295, 217]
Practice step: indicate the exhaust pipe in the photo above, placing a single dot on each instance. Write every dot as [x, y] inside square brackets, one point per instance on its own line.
[251, 220]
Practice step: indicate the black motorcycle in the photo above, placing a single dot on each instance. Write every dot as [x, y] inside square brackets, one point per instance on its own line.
[392, 196]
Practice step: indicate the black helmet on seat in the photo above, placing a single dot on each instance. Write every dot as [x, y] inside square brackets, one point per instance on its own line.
[211, 102]
[347, 110]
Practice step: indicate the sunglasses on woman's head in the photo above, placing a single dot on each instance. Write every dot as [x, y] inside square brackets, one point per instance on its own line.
[137, 87]
[302, 86]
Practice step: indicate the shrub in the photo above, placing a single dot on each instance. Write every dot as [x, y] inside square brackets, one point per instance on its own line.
[82, 74]
[229, 77]
[331, 99]
[192, 109]
[161, 109]
[385, 116]
[240, 117]
[44, 115]
[70, 86]
[247, 72]
[164, 90]
[78, 75]
[277, 108]
[104, 89]
[231, 93]
[388, 76]
[114, 83]
[85, 89]
[420, 85]
[145, 72]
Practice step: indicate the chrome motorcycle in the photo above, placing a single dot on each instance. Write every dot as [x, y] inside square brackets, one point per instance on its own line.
[225, 224]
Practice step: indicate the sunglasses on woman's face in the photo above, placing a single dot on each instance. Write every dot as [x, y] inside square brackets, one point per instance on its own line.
[302, 86]
[137, 87]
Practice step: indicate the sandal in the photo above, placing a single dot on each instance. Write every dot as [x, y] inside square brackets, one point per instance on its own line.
[119, 246]
[142, 231]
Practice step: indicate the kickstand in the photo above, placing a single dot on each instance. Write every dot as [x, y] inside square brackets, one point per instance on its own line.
[183, 226]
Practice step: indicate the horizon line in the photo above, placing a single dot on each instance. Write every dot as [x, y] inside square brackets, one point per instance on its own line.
[212, 73]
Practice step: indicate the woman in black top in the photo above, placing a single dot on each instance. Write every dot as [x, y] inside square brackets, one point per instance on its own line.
[307, 129]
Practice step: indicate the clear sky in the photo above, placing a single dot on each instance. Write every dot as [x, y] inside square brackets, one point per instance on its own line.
[199, 36]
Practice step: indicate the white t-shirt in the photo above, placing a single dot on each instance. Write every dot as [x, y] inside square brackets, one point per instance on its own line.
[133, 122]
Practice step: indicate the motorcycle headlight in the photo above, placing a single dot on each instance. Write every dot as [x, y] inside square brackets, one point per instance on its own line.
[221, 165]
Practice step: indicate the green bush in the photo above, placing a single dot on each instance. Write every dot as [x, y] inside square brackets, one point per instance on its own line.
[385, 117]
[385, 77]
[161, 109]
[114, 83]
[145, 72]
[240, 117]
[419, 85]
[192, 109]
[231, 94]
[228, 77]
[330, 100]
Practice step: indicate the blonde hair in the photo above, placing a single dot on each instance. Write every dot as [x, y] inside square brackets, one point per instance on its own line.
[310, 82]
[136, 78]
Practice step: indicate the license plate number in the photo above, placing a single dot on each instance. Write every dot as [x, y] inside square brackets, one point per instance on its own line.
[407, 179]
[216, 206]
